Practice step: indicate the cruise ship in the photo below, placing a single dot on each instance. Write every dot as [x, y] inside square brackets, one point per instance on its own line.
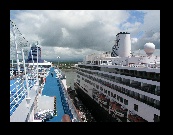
[120, 86]
[38, 90]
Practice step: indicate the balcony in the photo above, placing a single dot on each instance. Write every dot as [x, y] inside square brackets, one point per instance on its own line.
[135, 118]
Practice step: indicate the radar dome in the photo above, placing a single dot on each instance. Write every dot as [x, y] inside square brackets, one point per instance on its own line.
[149, 48]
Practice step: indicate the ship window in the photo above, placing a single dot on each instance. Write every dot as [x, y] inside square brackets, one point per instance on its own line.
[105, 91]
[136, 107]
[156, 118]
[125, 102]
[121, 99]
[157, 92]
[114, 95]
[118, 97]
[123, 90]
[112, 86]
[109, 93]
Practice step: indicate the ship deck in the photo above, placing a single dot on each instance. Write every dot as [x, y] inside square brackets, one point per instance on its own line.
[53, 88]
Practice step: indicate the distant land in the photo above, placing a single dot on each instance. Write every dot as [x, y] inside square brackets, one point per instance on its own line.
[60, 61]
[142, 52]
[65, 60]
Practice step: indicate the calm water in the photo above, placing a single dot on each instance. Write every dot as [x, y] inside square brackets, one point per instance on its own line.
[70, 76]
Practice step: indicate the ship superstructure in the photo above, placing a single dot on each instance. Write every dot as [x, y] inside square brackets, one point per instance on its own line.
[119, 85]
[38, 91]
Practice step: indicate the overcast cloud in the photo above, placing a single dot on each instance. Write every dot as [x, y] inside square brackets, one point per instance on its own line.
[72, 34]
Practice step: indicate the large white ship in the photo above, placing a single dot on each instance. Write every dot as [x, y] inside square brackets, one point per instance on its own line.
[120, 86]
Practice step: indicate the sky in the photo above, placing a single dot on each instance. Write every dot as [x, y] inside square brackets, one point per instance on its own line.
[73, 34]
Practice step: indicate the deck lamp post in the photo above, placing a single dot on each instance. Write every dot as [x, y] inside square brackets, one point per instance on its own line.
[58, 60]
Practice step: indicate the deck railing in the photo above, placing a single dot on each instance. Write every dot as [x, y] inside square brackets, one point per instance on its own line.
[76, 117]
[18, 93]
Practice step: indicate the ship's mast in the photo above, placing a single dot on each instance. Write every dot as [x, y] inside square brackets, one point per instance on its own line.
[17, 52]
[37, 63]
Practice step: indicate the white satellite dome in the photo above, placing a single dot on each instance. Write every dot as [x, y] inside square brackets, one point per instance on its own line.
[149, 48]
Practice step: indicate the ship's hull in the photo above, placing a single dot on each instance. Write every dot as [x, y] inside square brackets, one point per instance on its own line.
[99, 113]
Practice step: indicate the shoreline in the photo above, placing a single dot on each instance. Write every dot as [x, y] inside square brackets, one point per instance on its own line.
[68, 70]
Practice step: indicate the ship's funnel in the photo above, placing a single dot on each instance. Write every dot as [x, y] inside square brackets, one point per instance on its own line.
[122, 45]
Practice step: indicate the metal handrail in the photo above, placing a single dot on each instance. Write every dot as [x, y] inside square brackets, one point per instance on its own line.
[71, 105]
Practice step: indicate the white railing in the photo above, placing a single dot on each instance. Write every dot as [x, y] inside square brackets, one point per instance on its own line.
[20, 90]
[18, 93]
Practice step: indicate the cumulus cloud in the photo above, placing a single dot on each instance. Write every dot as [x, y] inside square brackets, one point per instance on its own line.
[150, 29]
[74, 33]
[66, 53]
[134, 40]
